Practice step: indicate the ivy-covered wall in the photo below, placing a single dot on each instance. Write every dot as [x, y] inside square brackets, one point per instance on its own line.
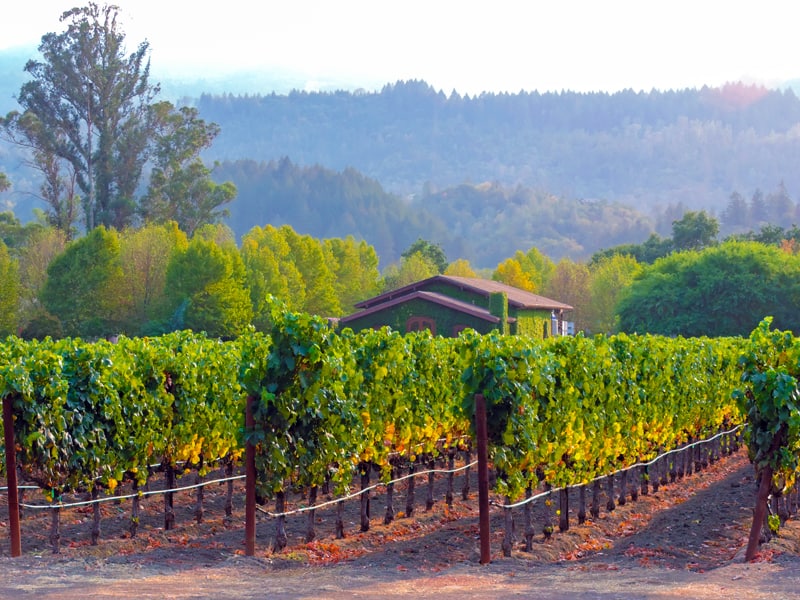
[532, 323]
[445, 318]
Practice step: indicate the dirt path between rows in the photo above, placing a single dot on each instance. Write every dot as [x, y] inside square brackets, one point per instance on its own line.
[685, 541]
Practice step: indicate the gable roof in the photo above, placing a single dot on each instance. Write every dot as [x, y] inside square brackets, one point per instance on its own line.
[441, 299]
[516, 297]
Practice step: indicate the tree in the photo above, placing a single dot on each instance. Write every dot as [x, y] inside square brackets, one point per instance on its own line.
[181, 188]
[510, 272]
[355, 266]
[696, 230]
[14, 234]
[41, 247]
[610, 279]
[58, 187]
[571, 283]
[411, 269]
[735, 214]
[318, 278]
[460, 268]
[432, 252]
[9, 292]
[85, 288]
[270, 272]
[5, 184]
[207, 289]
[145, 255]
[94, 104]
[725, 290]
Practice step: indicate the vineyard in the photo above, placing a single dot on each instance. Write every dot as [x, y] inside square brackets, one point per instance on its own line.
[330, 410]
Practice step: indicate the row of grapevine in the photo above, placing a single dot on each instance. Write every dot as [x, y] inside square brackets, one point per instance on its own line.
[770, 399]
[572, 409]
[88, 415]
[329, 405]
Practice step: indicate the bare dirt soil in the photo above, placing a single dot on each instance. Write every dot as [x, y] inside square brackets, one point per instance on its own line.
[684, 541]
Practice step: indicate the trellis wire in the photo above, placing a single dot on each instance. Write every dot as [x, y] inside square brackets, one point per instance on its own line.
[641, 464]
[140, 494]
[364, 491]
[350, 496]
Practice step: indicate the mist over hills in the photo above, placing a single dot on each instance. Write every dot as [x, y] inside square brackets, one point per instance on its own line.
[486, 175]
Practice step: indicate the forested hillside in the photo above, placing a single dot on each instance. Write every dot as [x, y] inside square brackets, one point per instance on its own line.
[481, 223]
[647, 150]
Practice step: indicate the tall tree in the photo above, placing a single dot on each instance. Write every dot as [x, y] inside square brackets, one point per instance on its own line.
[9, 292]
[355, 265]
[207, 288]
[95, 103]
[411, 269]
[58, 187]
[460, 268]
[319, 279]
[433, 252]
[270, 272]
[145, 255]
[85, 288]
[571, 283]
[611, 277]
[725, 290]
[511, 272]
[181, 188]
[694, 231]
[35, 257]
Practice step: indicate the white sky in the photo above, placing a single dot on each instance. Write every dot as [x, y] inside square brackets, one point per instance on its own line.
[470, 46]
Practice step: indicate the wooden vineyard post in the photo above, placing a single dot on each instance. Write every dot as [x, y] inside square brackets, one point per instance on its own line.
[11, 477]
[483, 478]
[250, 484]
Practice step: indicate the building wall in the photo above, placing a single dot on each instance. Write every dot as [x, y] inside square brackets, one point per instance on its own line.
[446, 319]
[531, 323]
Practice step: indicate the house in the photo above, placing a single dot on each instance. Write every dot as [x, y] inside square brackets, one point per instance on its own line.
[446, 305]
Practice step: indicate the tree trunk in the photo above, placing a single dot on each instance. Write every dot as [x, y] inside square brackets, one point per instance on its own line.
[508, 535]
[280, 524]
[465, 488]
[169, 509]
[389, 516]
[548, 513]
[655, 479]
[623, 488]
[340, 520]
[429, 501]
[644, 480]
[759, 514]
[311, 533]
[229, 492]
[595, 509]
[198, 507]
[55, 530]
[451, 464]
[582, 505]
[135, 504]
[610, 493]
[635, 483]
[528, 520]
[365, 468]
[410, 496]
[95, 516]
[563, 507]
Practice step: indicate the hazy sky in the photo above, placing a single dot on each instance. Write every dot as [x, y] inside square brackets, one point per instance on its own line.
[497, 45]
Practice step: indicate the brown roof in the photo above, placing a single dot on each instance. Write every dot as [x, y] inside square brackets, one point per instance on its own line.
[441, 299]
[516, 297]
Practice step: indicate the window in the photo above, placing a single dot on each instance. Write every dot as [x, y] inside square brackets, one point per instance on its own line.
[420, 323]
[458, 329]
